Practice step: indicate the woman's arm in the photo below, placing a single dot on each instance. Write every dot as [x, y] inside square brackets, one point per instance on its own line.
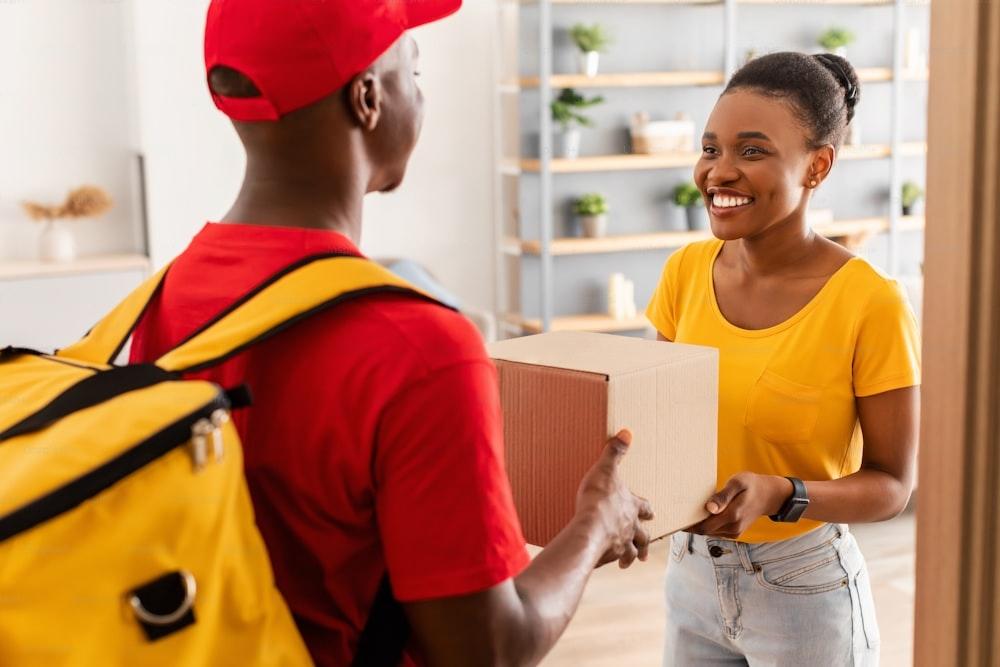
[890, 423]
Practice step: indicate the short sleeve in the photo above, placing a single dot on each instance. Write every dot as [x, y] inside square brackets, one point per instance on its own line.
[887, 352]
[662, 308]
[443, 500]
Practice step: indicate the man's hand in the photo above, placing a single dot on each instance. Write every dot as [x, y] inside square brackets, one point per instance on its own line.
[604, 497]
[745, 498]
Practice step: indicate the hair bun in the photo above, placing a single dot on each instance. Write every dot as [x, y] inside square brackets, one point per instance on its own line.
[843, 71]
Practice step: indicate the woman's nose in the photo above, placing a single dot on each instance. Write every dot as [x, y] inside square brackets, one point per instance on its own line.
[722, 170]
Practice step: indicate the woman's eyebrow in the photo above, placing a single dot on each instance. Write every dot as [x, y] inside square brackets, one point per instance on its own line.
[711, 136]
[753, 135]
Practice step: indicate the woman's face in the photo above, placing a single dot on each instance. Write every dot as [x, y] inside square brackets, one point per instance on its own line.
[755, 165]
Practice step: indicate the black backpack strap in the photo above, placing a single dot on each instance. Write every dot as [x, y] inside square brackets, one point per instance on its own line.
[386, 634]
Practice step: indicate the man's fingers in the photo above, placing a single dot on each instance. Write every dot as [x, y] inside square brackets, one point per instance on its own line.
[641, 542]
[627, 558]
[615, 450]
[720, 500]
[645, 510]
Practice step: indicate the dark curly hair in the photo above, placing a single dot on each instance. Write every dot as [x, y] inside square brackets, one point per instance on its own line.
[823, 90]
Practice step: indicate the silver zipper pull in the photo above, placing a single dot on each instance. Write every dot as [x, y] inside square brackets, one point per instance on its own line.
[199, 443]
[219, 418]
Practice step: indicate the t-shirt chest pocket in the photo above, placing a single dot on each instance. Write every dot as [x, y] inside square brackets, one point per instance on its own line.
[782, 411]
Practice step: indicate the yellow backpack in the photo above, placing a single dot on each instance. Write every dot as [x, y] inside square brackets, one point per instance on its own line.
[127, 535]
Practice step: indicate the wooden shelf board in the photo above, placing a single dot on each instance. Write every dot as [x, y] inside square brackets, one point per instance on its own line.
[636, 162]
[594, 322]
[22, 269]
[874, 74]
[624, 162]
[865, 152]
[630, 80]
[667, 240]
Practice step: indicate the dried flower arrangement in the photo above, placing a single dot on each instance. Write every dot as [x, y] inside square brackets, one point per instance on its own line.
[83, 202]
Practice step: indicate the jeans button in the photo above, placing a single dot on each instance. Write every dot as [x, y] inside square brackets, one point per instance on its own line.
[715, 551]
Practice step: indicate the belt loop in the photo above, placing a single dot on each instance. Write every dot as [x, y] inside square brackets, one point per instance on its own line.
[690, 543]
[744, 551]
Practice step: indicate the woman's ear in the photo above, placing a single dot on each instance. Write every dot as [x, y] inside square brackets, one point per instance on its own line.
[364, 100]
[820, 166]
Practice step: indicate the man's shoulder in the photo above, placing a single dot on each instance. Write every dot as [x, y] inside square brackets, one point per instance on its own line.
[399, 329]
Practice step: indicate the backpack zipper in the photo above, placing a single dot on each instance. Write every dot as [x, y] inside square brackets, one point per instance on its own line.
[214, 413]
[203, 430]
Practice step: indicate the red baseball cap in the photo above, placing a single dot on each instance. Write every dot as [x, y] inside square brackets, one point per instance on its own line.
[299, 51]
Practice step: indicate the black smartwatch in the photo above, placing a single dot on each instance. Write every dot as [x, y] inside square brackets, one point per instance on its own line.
[794, 507]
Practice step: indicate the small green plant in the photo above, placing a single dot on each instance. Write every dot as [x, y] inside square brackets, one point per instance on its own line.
[565, 108]
[834, 38]
[591, 204]
[590, 38]
[687, 195]
[912, 193]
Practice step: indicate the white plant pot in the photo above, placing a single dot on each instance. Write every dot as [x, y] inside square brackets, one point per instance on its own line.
[677, 220]
[590, 62]
[594, 226]
[569, 143]
[698, 218]
[56, 243]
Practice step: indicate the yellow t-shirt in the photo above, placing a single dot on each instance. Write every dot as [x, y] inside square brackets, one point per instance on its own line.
[787, 393]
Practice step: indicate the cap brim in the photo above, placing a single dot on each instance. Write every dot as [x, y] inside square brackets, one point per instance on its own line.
[420, 12]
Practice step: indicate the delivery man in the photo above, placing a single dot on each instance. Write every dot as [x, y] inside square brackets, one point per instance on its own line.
[375, 443]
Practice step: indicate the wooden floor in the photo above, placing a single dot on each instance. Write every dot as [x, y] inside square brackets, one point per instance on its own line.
[620, 621]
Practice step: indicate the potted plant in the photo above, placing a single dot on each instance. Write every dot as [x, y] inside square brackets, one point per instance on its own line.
[913, 194]
[836, 40]
[592, 40]
[565, 111]
[592, 212]
[688, 197]
[57, 243]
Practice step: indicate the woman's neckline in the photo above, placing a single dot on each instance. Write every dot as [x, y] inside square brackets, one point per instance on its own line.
[781, 326]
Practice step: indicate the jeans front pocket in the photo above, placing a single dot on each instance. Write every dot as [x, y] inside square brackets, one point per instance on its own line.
[782, 411]
[816, 570]
[678, 545]
[862, 591]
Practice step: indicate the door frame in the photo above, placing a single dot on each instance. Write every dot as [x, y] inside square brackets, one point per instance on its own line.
[958, 522]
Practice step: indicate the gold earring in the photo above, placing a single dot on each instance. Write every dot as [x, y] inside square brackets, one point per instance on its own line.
[813, 183]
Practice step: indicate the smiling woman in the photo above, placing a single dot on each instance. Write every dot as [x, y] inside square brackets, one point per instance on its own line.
[819, 375]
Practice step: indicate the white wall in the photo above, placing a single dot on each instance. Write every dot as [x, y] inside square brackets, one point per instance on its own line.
[442, 216]
[65, 118]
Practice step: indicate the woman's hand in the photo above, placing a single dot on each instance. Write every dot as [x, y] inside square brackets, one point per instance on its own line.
[745, 498]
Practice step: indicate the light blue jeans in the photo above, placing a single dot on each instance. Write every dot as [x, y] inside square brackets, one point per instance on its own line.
[803, 602]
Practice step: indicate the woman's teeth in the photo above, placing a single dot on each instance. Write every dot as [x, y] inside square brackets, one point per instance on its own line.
[725, 201]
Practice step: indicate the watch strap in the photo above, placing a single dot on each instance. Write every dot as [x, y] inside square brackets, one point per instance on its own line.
[796, 505]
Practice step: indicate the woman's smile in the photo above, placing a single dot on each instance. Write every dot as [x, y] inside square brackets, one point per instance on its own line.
[724, 203]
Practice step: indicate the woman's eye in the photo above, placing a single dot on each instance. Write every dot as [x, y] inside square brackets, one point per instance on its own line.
[708, 150]
[751, 151]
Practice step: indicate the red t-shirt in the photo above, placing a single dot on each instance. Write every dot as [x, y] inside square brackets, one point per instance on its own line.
[375, 438]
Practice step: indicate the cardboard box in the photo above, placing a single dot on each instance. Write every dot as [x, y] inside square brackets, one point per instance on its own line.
[564, 394]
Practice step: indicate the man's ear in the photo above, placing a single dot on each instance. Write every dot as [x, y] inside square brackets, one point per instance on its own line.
[364, 100]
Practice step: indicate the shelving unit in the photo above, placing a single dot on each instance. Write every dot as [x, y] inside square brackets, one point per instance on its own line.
[669, 240]
[635, 162]
[679, 78]
[543, 84]
[27, 269]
